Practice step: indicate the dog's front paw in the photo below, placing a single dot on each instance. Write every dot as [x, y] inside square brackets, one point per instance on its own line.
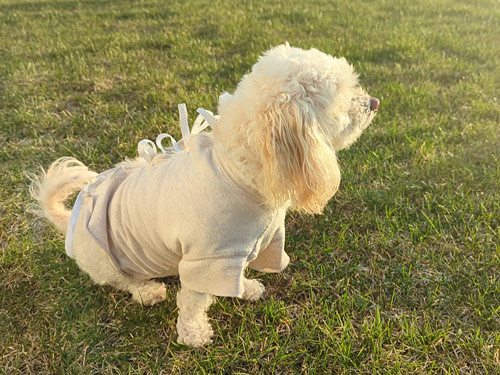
[194, 333]
[150, 294]
[253, 290]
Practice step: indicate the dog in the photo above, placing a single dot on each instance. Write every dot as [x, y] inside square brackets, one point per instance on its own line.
[215, 203]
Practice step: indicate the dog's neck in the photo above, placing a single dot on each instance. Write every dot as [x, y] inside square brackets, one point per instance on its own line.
[240, 168]
[244, 168]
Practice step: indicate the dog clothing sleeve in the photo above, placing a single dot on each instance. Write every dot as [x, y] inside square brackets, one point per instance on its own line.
[273, 258]
[217, 276]
[246, 243]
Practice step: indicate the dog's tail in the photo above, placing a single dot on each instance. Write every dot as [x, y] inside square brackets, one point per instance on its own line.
[64, 177]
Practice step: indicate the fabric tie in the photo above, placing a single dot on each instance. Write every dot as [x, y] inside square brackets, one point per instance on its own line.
[147, 149]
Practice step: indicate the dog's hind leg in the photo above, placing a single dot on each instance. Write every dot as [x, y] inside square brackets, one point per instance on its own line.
[147, 293]
[95, 262]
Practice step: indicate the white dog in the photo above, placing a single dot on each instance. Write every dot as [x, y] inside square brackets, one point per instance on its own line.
[217, 202]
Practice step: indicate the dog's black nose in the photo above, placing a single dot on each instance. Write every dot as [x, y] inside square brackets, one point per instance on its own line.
[374, 103]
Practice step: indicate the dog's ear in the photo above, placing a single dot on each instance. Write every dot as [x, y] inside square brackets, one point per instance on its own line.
[298, 163]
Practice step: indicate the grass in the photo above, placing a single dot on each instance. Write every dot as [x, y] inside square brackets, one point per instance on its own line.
[399, 276]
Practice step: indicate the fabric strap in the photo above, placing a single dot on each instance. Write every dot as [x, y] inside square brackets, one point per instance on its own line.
[147, 149]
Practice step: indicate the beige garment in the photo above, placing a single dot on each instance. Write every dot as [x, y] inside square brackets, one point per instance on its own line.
[181, 214]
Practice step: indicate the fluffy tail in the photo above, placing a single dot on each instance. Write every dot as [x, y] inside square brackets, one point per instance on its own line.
[64, 177]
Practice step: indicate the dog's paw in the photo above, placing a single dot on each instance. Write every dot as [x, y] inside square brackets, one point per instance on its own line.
[253, 290]
[150, 294]
[194, 334]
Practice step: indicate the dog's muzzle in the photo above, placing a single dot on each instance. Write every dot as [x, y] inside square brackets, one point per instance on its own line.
[374, 103]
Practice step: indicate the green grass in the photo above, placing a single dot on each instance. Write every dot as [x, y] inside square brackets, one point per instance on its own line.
[401, 275]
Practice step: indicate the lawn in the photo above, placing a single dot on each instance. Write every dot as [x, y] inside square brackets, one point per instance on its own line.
[401, 275]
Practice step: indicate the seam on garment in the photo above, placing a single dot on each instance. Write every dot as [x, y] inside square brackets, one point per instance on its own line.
[250, 196]
[254, 247]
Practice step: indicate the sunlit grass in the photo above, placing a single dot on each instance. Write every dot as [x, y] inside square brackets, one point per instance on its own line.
[399, 276]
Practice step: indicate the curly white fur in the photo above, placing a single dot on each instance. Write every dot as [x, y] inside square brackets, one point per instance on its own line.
[278, 134]
[64, 177]
[285, 121]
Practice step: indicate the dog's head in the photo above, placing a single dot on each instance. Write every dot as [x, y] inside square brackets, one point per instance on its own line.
[296, 108]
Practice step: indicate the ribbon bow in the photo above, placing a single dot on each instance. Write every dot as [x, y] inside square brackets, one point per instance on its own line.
[147, 149]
